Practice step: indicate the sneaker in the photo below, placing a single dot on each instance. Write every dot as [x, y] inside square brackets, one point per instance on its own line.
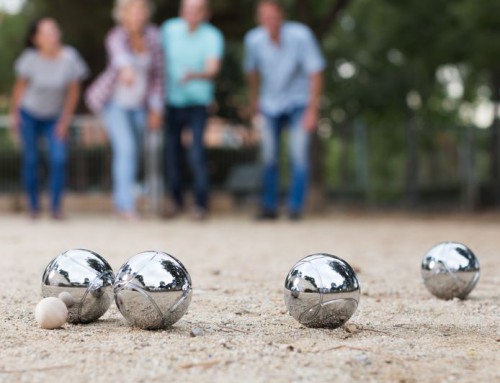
[266, 215]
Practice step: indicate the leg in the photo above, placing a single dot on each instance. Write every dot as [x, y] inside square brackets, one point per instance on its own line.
[29, 135]
[299, 153]
[271, 134]
[174, 154]
[197, 156]
[58, 155]
[120, 128]
[139, 125]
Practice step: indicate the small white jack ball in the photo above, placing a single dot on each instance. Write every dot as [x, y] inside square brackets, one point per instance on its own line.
[67, 298]
[51, 313]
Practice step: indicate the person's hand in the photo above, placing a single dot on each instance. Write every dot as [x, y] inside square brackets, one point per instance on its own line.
[154, 120]
[189, 76]
[311, 118]
[62, 130]
[15, 122]
[254, 108]
[127, 76]
[15, 126]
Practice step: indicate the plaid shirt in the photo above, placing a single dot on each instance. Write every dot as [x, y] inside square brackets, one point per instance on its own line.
[119, 56]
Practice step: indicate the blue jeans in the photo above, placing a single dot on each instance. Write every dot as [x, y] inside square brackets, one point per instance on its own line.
[32, 130]
[194, 118]
[126, 129]
[299, 143]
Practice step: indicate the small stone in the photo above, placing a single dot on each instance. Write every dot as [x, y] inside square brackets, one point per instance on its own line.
[195, 332]
[351, 328]
[361, 359]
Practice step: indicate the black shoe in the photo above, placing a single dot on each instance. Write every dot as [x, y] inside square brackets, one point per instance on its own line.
[295, 216]
[266, 215]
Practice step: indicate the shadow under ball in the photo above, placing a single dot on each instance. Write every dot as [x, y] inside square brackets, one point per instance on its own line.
[322, 290]
[450, 270]
[153, 290]
[86, 277]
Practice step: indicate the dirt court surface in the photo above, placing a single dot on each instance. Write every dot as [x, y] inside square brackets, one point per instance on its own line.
[400, 333]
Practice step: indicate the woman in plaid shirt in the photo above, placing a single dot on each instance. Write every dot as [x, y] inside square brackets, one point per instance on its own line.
[129, 94]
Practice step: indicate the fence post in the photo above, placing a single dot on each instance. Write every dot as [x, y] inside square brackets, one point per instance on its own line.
[154, 172]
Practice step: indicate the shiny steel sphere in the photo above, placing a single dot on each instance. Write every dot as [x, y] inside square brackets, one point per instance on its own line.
[322, 290]
[84, 280]
[152, 290]
[450, 270]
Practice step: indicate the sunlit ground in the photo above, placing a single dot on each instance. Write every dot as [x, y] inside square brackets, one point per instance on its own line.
[238, 267]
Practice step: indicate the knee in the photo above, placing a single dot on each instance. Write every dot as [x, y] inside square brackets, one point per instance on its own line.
[299, 154]
[197, 156]
[269, 159]
[30, 158]
[269, 154]
[58, 157]
[125, 153]
[300, 162]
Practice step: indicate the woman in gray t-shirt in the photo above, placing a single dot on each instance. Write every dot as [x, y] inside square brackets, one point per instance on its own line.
[46, 93]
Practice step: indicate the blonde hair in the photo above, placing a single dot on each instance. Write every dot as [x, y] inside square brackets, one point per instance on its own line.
[120, 5]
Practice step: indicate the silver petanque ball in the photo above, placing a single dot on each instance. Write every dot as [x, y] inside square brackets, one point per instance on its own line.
[83, 280]
[322, 290]
[450, 270]
[152, 290]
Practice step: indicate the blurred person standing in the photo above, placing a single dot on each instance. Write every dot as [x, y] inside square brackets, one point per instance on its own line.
[284, 68]
[129, 95]
[45, 96]
[193, 54]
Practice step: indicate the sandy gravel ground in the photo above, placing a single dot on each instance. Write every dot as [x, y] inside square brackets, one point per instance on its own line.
[401, 333]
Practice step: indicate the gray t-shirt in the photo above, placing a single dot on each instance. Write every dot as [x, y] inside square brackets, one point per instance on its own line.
[134, 96]
[48, 80]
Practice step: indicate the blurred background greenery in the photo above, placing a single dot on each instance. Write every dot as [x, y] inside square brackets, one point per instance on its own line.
[411, 108]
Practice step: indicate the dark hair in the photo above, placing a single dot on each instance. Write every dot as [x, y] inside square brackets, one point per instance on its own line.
[33, 30]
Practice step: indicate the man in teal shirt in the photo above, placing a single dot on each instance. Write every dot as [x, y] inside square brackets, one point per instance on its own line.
[193, 54]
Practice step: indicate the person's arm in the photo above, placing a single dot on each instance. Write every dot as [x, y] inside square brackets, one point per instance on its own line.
[251, 69]
[212, 69]
[17, 94]
[253, 80]
[311, 115]
[119, 54]
[72, 99]
[213, 64]
[156, 81]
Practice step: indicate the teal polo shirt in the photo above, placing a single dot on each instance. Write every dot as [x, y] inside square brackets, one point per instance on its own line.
[185, 52]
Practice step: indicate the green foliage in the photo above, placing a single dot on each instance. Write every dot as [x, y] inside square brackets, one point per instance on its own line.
[12, 32]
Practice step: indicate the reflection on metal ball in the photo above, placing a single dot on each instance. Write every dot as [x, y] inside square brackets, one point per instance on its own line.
[152, 290]
[450, 270]
[322, 290]
[85, 279]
